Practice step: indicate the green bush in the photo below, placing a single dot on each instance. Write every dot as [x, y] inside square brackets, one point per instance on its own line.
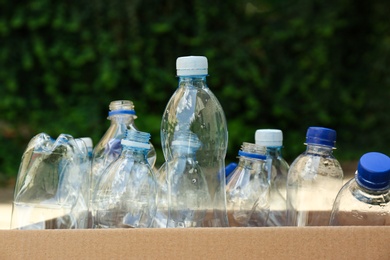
[272, 64]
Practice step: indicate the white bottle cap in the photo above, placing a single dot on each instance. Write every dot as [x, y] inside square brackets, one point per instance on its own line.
[191, 66]
[269, 137]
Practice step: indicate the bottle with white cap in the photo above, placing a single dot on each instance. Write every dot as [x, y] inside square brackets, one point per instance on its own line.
[314, 179]
[108, 149]
[125, 195]
[272, 139]
[194, 108]
[365, 199]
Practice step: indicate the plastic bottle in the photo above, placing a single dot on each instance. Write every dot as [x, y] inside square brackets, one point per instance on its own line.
[125, 195]
[108, 149]
[194, 108]
[273, 140]
[365, 199]
[313, 181]
[229, 169]
[51, 190]
[247, 192]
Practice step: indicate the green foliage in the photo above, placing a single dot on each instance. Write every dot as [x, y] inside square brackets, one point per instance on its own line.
[272, 64]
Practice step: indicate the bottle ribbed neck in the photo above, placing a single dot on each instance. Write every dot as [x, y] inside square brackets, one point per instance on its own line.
[319, 149]
[195, 81]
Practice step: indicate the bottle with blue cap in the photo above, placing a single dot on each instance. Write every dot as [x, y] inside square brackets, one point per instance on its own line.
[125, 195]
[314, 179]
[194, 108]
[365, 199]
[109, 148]
[272, 139]
[247, 192]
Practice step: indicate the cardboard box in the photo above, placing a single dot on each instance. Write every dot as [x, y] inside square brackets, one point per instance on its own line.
[199, 243]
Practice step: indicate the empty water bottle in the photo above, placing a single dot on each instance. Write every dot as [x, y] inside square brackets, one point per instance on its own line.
[247, 192]
[273, 140]
[194, 108]
[365, 199]
[125, 195]
[109, 148]
[314, 179]
[52, 186]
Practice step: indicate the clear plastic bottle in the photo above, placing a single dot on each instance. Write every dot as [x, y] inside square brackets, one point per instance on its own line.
[314, 179]
[247, 192]
[365, 199]
[194, 108]
[125, 195]
[229, 169]
[108, 149]
[51, 190]
[273, 140]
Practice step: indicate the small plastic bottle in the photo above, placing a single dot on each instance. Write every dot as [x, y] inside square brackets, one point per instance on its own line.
[273, 140]
[314, 179]
[125, 195]
[365, 199]
[194, 108]
[108, 149]
[247, 192]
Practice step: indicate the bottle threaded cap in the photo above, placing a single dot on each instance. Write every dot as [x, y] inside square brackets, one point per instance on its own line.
[269, 137]
[373, 171]
[191, 66]
[321, 136]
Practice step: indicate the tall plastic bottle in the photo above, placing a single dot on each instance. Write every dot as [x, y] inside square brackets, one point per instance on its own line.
[273, 140]
[314, 179]
[125, 195]
[247, 192]
[365, 199]
[194, 108]
[108, 149]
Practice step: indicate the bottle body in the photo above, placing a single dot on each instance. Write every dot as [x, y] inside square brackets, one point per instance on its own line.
[356, 206]
[247, 192]
[52, 184]
[194, 108]
[278, 191]
[125, 195]
[314, 179]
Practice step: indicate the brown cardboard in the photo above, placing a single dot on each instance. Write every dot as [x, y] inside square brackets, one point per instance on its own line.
[199, 243]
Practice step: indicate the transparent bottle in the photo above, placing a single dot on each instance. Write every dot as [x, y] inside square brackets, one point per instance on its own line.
[247, 192]
[314, 179]
[229, 169]
[273, 140]
[51, 190]
[365, 199]
[194, 108]
[125, 195]
[109, 148]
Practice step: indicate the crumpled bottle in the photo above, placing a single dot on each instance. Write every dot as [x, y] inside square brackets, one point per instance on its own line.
[194, 108]
[365, 199]
[247, 192]
[52, 187]
[109, 148]
[125, 195]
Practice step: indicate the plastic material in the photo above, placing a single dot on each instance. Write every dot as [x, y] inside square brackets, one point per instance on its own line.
[313, 181]
[191, 66]
[125, 195]
[359, 204]
[51, 190]
[247, 192]
[273, 140]
[194, 108]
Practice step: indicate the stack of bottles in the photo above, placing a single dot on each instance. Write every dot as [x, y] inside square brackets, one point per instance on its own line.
[66, 183]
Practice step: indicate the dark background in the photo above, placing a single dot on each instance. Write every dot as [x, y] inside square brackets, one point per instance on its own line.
[272, 64]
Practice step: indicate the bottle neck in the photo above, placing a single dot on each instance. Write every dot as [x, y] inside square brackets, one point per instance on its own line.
[319, 149]
[275, 151]
[122, 119]
[138, 154]
[195, 81]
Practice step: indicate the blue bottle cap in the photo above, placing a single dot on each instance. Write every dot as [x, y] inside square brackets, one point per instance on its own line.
[321, 135]
[373, 171]
[230, 168]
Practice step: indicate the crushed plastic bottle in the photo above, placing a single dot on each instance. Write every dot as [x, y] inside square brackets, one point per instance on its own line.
[365, 199]
[247, 192]
[273, 140]
[125, 195]
[194, 108]
[52, 187]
